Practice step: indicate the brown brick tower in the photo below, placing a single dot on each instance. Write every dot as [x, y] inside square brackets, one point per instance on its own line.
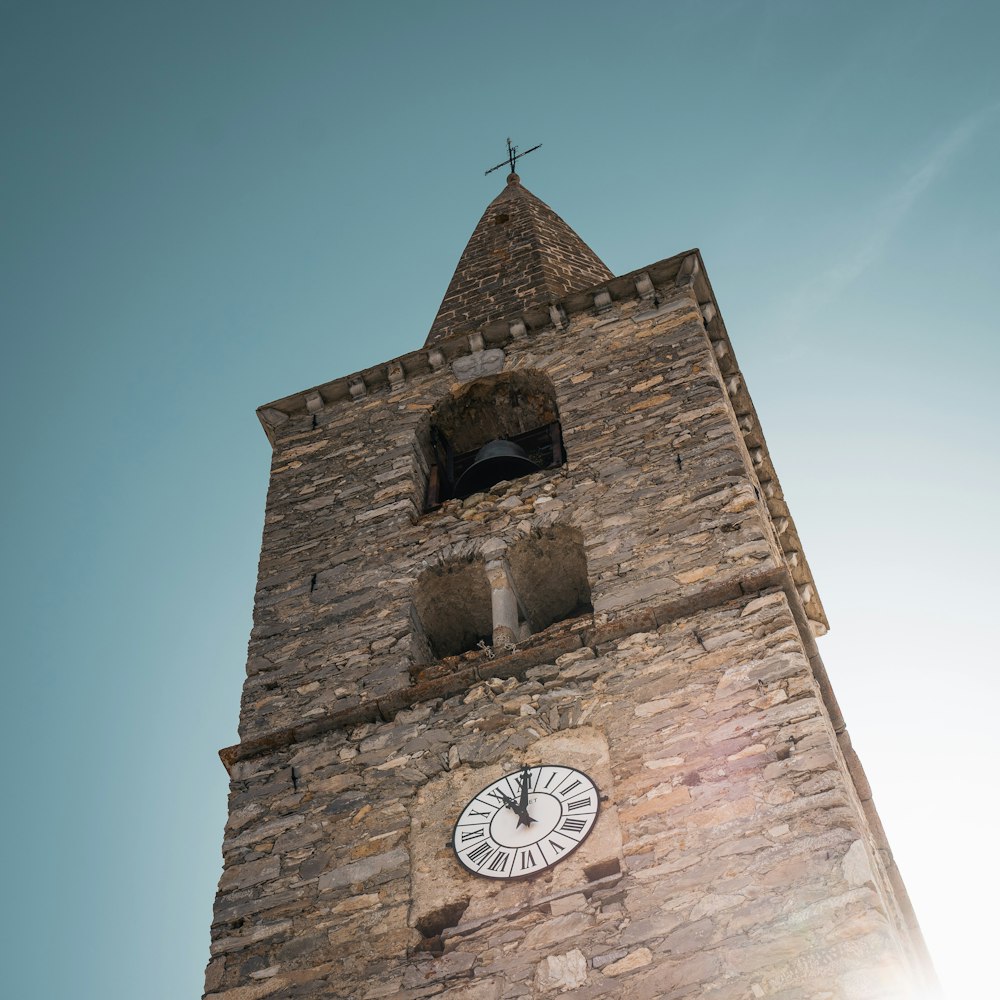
[533, 701]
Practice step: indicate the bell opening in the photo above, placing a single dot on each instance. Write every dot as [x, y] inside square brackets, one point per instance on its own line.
[497, 428]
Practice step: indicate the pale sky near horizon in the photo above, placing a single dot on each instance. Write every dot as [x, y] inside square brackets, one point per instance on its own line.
[207, 206]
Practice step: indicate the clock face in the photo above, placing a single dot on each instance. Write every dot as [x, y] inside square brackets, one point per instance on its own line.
[526, 822]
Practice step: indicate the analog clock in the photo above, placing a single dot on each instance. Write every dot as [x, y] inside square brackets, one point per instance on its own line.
[526, 821]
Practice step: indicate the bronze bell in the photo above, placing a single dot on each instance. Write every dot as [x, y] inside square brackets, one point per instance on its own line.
[496, 461]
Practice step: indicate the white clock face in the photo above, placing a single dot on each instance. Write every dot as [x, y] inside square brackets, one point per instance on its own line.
[526, 822]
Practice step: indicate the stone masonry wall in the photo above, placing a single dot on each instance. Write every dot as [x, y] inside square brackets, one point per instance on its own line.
[732, 857]
[730, 860]
[658, 481]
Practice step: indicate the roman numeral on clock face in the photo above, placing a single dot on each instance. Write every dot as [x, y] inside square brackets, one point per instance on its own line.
[579, 803]
[480, 852]
[468, 835]
[499, 861]
[573, 824]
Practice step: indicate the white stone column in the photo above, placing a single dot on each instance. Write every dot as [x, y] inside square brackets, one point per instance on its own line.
[504, 603]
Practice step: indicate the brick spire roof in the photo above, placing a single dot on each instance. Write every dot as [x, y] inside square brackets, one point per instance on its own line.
[521, 255]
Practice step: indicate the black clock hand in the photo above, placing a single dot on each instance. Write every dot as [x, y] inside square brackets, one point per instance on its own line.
[523, 819]
[525, 783]
[522, 812]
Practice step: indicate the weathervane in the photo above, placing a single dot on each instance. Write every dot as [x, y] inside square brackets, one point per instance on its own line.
[513, 156]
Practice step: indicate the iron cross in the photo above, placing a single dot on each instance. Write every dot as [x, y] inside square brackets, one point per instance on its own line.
[513, 156]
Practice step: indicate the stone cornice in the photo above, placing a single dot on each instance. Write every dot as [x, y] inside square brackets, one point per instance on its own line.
[636, 285]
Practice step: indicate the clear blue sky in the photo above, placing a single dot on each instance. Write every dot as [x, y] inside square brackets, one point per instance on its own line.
[206, 206]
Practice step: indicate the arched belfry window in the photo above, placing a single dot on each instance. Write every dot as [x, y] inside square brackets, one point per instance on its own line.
[493, 429]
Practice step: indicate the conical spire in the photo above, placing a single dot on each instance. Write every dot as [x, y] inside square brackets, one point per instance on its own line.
[521, 255]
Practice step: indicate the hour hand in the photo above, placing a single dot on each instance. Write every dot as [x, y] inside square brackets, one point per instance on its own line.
[523, 819]
[509, 802]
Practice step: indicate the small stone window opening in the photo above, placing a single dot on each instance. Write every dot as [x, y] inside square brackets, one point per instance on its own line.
[495, 429]
[432, 925]
[548, 569]
[453, 607]
[500, 218]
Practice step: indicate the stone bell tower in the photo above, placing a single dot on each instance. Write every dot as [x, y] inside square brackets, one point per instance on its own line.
[551, 543]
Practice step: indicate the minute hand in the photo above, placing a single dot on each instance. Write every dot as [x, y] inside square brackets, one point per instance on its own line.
[525, 785]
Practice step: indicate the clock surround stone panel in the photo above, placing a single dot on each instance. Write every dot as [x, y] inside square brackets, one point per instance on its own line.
[438, 880]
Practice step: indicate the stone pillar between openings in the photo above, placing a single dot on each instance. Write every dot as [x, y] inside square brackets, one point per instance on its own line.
[504, 601]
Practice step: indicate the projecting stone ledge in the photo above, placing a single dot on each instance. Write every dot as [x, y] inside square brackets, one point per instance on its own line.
[456, 674]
